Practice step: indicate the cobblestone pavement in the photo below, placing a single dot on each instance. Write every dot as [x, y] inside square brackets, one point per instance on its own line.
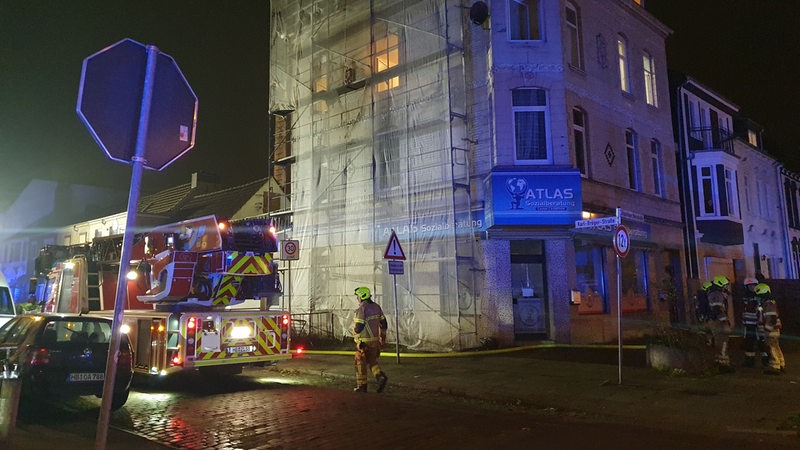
[513, 400]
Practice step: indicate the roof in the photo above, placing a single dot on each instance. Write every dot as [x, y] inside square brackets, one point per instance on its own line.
[223, 203]
[163, 202]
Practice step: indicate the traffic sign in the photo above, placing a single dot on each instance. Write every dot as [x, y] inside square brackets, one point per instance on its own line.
[393, 249]
[290, 249]
[395, 267]
[110, 102]
[622, 244]
[596, 223]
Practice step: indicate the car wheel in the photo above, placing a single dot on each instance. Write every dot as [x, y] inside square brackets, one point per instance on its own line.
[119, 399]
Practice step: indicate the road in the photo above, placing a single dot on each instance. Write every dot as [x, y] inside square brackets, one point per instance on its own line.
[265, 409]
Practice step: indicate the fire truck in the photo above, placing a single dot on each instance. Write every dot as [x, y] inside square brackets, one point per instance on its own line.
[200, 293]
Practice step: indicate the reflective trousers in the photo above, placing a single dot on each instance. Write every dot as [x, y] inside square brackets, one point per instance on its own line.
[367, 358]
[776, 360]
[720, 330]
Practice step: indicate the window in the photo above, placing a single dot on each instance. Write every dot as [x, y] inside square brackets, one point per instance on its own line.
[631, 150]
[752, 138]
[634, 275]
[792, 210]
[650, 89]
[573, 44]
[387, 55]
[590, 278]
[622, 55]
[718, 191]
[531, 122]
[747, 194]
[523, 16]
[658, 168]
[732, 206]
[709, 207]
[579, 140]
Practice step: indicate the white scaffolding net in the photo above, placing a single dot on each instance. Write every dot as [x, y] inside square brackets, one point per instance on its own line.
[368, 99]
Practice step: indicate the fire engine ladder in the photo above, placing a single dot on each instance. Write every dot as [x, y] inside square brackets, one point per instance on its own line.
[93, 288]
[460, 154]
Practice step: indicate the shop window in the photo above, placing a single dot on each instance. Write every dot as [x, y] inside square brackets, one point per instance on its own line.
[634, 282]
[590, 280]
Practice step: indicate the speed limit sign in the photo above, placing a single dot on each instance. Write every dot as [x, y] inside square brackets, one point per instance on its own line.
[290, 250]
[622, 244]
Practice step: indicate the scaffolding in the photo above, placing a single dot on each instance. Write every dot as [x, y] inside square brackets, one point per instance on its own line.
[370, 117]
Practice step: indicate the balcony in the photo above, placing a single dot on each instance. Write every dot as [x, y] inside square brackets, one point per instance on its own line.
[711, 140]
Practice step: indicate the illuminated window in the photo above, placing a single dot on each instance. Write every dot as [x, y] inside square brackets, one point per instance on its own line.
[650, 92]
[622, 56]
[752, 138]
[573, 44]
[523, 17]
[387, 55]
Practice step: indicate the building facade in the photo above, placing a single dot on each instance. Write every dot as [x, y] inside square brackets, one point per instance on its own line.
[479, 134]
[735, 218]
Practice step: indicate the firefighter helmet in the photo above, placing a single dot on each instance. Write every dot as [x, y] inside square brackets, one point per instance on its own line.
[706, 285]
[721, 281]
[362, 292]
[750, 280]
[762, 288]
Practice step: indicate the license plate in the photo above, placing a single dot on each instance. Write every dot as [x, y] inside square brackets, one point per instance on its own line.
[88, 376]
[242, 349]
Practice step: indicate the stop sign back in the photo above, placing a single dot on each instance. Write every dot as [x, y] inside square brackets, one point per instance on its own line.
[110, 101]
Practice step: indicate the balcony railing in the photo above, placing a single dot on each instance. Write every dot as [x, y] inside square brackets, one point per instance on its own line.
[711, 139]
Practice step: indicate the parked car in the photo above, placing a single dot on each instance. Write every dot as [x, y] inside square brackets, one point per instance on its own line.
[62, 356]
[7, 306]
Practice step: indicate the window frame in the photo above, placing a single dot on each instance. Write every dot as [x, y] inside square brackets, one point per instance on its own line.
[632, 153]
[656, 158]
[650, 85]
[579, 130]
[623, 64]
[545, 125]
[574, 36]
[534, 8]
[385, 56]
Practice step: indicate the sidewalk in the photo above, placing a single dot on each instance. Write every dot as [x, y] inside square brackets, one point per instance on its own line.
[582, 383]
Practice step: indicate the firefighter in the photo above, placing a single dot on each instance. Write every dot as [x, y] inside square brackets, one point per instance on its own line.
[701, 304]
[719, 320]
[369, 331]
[770, 320]
[751, 337]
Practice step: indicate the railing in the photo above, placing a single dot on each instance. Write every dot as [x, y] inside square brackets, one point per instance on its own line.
[317, 324]
[711, 139]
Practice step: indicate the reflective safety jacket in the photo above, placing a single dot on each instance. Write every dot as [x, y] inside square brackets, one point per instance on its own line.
[369, 322]
[769, 318]
[750, 311]
[718, 304]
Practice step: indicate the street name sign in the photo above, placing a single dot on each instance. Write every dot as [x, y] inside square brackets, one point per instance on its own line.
[599, 222]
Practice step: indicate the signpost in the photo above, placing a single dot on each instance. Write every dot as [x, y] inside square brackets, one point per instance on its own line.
[621, 248]
[395, 256]
[140, 109]
[622, 245]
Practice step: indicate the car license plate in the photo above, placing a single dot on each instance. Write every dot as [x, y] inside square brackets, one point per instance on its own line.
[242, 349]
[88, 376]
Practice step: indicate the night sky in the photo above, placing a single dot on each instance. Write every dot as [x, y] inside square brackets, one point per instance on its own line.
[220, 46]
[748, 51]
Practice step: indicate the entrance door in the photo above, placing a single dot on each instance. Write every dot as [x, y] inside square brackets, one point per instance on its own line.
[529, 290]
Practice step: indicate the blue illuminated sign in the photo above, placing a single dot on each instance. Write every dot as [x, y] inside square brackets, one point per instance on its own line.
[533, 198]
